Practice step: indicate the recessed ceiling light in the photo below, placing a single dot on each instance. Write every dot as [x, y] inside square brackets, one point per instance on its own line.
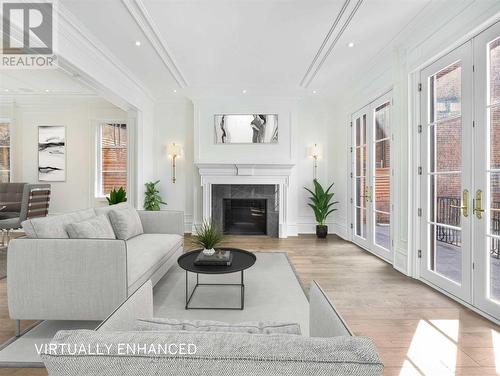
[5, 89]
[175, 90]
[138, 43]
[314, 91]
[244, 91]
[350, 44]
[47, 90]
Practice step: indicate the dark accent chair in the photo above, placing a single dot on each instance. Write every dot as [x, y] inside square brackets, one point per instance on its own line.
[34, 202]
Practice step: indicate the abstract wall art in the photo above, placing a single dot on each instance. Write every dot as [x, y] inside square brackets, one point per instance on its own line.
[246, 129]
[52, 153]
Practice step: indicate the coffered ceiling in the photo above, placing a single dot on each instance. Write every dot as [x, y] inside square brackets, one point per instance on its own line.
[277, 47]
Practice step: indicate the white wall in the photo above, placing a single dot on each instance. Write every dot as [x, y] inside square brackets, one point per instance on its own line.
[174, 123]
[79, 116]
[302, 122]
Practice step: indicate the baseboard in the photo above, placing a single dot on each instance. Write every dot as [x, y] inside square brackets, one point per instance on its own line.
[310, 228]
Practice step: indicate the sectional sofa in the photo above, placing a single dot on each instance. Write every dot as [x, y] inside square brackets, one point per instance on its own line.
[54, 276]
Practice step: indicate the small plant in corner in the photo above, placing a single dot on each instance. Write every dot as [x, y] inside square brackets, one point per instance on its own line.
[322, 207]
[153, 200]
[207, 236]
[117, 196]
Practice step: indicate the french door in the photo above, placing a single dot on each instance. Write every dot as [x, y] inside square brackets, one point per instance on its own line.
[371, 188]
[460, 172]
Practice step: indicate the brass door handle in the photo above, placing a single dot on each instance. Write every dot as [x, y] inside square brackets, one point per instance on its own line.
[478, 206]
[465, 203]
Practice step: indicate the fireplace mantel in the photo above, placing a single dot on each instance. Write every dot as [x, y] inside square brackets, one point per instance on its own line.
[230, 173]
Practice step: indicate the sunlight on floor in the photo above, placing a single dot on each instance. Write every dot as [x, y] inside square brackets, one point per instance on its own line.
[433, 349]
[495, 339]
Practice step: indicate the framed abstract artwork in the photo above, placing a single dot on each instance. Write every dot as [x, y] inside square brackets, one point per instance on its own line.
[246, 129]
[51, 153]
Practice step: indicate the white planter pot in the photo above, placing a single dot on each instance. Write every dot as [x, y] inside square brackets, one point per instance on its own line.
[208, 252]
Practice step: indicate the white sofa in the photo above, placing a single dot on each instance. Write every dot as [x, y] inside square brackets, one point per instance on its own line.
[331, 348]
[53, 277]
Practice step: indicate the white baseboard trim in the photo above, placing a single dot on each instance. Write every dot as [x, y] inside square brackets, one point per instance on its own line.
[310, 228]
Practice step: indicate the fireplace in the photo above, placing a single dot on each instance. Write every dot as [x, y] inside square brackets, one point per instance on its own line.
[221, 181]
[246, 209]
[245, 216]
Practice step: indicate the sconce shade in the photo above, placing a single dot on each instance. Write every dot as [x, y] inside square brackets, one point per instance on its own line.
[314, 151]
[174, 149]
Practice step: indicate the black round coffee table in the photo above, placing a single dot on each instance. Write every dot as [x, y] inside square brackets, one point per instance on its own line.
[242, 260]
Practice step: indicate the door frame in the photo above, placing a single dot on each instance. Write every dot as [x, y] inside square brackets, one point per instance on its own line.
[481, 280]
[463, 54]
[369, 244]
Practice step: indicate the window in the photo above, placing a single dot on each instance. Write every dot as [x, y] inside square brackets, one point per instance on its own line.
[112, 157]
[4, 152]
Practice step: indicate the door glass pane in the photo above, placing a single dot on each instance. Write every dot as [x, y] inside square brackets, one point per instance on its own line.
[494, 71]
[446, 145]
[495, 269]
[493, 174]
[382, 121]
[447, 99]
[445, 178]
[382, 179]
[446, 252]
[383, 229]
[446, 199]
[383, 156]
[360, 178]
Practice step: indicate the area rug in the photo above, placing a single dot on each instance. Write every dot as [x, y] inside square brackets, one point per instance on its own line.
[272, 292]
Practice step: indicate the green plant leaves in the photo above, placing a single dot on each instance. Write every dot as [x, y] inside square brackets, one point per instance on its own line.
[152, 199]
[117, 196]
[320, 202]
[207, 235]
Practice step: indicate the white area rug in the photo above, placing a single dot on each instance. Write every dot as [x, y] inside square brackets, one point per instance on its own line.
[272, 292]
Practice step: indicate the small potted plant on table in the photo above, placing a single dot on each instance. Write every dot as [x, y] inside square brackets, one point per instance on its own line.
[207, 236]
[322, 207]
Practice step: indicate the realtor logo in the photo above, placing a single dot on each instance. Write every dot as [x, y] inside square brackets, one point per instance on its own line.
[28, 35]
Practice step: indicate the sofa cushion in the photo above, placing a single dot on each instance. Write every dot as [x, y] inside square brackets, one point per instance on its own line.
[216, 354]
[97, 227]
[126, 223]
[54, 227]
[106, 209]
[251, 327]
[146, 252]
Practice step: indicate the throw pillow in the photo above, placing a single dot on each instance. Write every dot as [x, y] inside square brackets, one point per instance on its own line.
[126, 223]
[255, 327]
[93, 228]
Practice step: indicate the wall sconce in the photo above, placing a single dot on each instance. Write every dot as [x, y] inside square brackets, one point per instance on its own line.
[174, 150]
[315, 153]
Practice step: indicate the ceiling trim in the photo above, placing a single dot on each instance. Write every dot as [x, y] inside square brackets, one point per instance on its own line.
[140, 14]
[73, 24]
[315, 66]
[325, 41]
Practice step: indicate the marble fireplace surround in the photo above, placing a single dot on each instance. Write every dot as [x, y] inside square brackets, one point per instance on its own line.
[254, 174]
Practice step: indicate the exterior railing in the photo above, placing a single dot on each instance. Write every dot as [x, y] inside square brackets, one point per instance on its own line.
[448, 212]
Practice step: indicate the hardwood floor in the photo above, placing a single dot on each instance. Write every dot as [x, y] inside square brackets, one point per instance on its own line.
[417, 330]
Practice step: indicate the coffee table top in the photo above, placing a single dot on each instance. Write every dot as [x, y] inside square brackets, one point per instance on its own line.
[241, 260]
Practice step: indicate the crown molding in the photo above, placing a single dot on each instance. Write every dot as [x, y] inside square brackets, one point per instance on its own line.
[330, 40]
[140, 14]
[71, 24]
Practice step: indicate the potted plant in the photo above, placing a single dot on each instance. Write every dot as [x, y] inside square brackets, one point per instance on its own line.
[207, 236]
[153, 200]
[322, 207]
[117, 196]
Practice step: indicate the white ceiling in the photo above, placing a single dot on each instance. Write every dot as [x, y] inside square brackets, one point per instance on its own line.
[41, 81]
[262, 46]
